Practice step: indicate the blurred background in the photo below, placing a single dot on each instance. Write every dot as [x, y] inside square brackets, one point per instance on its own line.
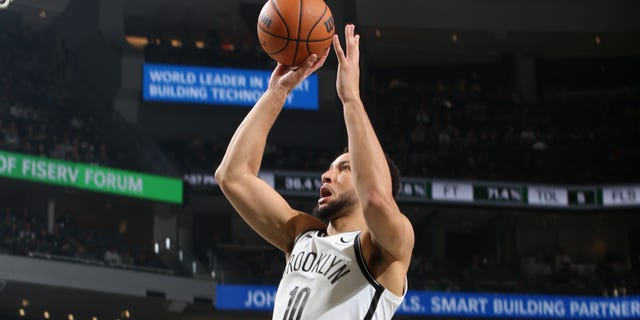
[515, 125]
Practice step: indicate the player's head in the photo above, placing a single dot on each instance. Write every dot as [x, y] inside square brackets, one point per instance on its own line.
[338, 190]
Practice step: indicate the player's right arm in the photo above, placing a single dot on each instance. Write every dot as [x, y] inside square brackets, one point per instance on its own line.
[257, 202]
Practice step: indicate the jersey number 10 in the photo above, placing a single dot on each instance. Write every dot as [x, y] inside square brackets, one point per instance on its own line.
[297, 301]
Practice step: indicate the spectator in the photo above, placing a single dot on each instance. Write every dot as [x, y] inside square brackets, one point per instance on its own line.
[112, 257]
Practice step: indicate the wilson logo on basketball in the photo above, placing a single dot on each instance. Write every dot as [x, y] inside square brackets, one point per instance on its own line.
[329, 24]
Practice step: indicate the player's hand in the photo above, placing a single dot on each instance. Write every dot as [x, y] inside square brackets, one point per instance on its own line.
[348, 80]
[286, 78]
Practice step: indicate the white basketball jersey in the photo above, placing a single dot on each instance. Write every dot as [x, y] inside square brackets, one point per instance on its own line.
[326, 278]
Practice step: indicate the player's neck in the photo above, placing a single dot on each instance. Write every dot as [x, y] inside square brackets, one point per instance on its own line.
[353, 221]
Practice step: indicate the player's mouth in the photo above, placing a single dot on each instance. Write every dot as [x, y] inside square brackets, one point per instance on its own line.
[325, 194]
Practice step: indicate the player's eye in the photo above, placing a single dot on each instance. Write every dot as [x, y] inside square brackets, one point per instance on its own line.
[345, 168]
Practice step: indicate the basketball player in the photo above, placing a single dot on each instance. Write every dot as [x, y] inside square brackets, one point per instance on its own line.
[355, 265]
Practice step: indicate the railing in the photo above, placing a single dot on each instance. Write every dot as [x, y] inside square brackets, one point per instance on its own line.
[246, 264]
[100, 263]
[181, 260]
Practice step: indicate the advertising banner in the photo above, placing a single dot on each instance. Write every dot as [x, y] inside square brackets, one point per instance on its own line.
[511, 306]
[245, 297]
[219, 86]
[90, 177]
[428, 303]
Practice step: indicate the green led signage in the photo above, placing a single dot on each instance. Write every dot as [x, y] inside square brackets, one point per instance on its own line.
[90, 177]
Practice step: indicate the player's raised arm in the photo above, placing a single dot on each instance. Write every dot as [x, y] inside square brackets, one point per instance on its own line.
[389, 229]
[257, 202]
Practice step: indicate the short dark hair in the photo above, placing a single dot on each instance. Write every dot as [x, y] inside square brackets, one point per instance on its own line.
[394, 171]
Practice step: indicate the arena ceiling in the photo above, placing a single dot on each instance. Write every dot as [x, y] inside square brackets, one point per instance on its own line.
[409, 32]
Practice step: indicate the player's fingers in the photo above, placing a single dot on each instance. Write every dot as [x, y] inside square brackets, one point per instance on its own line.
[353, 44]
[352, 41]
[347, 37]
[311, 60]
[306, 67]
[348, 31]
[355, 48]
[338, 48]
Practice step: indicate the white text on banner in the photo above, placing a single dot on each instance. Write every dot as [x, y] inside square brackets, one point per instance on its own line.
[452, 191]
[548, 196]
[620, 196]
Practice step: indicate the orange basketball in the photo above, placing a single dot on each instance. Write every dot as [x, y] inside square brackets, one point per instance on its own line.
[291, 30]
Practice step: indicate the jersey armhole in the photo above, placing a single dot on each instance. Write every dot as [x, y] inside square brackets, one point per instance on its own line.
[363, 265]
[305, 232]
[379, 288]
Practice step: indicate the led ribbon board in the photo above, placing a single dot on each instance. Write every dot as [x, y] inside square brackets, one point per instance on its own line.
[573, 197]
[90, 177]
[482, 305]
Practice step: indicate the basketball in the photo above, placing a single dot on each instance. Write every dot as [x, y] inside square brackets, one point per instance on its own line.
[291, 30]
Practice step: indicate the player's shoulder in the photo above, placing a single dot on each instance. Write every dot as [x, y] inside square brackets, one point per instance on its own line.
[300, 224]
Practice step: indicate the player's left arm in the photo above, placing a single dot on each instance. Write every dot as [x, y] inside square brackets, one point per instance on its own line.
[389, 229]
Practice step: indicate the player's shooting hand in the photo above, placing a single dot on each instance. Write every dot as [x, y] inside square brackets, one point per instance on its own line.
[348, 80]
[286, 78]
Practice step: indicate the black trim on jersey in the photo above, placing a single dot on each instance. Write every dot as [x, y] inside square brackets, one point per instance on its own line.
[374, 304]
[363, 267]
[302, 234]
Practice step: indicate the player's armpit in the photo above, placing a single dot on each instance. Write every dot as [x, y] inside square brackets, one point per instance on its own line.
[265, 210]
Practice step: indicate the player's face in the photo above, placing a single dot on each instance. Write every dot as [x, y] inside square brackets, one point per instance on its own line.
[337, 191]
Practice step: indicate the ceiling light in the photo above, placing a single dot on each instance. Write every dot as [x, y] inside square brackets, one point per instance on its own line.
[228, 47]
[176, 43]
[137, 42]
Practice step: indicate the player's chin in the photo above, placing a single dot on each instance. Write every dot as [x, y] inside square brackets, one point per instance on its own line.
[318, 210]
